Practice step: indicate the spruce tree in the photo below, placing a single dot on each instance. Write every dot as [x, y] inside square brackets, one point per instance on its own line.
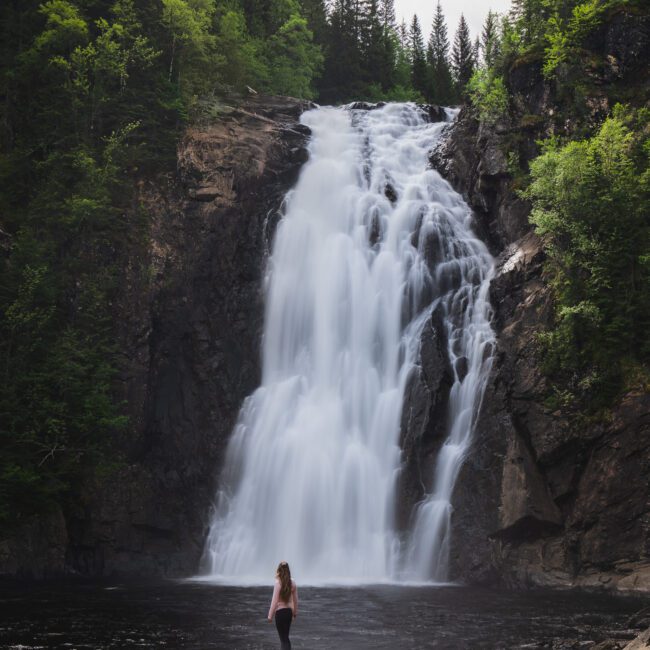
[371, 42]
[440, 80]
[387, 15]
[402, 70]
[315, 13]
[387, 61]
[403, 35]
[529, 17]
[462, 56]
[418, 58]
[490, 39]
[342, 74]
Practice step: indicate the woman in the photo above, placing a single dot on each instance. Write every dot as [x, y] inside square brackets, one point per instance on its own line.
[284, 603]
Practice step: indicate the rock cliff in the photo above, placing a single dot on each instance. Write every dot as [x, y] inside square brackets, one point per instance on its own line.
[546, 497]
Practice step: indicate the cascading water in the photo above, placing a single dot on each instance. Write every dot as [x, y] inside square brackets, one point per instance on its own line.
[371, 241]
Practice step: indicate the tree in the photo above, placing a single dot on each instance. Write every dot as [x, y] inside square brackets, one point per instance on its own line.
[315, 13]
[440, 80]
[387, 60]
[590, 204]
[240, 62]
[371, 38]
[529, 17]
[294, 60]
[342, 70]
[387, 15]
[265, 17]
[418, 58]
[462, 56]
[403, 35]
[490, 39]
[188, 23]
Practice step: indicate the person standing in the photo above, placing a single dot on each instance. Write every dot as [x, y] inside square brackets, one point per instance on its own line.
[284, 604]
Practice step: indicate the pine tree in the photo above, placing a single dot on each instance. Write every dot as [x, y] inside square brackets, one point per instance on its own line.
[315, 13]
[490, 39]
[371, 41]
[387, 60]
[418, 58]
[529, 17]
[440, 80]
[387, 15]
[342, 73]
[402, 71]
[403, 35]
[462, 56]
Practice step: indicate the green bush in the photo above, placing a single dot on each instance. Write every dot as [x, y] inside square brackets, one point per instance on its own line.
[489, 94]
[591, 201]
[565, 37]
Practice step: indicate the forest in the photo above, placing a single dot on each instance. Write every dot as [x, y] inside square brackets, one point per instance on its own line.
[95, 94]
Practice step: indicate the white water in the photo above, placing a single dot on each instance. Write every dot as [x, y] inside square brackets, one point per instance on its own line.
[311, 469]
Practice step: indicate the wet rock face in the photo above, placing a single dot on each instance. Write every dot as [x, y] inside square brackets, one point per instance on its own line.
[423, 423]
[543, 499]
[189, 325]
[472, 159]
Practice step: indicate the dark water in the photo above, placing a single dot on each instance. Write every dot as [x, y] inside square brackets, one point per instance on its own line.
[190, 615]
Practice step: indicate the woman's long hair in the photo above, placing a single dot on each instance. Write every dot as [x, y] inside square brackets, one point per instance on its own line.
[284, 573]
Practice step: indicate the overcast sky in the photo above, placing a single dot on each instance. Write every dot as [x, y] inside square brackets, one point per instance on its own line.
[474, 11]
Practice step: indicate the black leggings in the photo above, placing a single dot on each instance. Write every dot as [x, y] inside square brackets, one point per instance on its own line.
[283, 623]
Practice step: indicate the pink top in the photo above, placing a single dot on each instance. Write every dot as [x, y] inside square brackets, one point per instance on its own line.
[278, 603]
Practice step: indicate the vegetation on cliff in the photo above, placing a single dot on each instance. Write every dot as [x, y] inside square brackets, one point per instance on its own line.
[591, 201]
[589, 187]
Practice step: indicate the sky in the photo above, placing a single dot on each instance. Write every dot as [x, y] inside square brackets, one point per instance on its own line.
[474, 11]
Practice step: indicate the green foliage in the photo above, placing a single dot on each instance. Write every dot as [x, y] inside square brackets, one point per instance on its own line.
[463, 57]
[94, 97]
[490, 39]
[590, 204]
[441, 86]
[240, 63]
[368, 56]
[58, 358]
[564, 36]
[295, 60]
[489, 94]
[375, 93]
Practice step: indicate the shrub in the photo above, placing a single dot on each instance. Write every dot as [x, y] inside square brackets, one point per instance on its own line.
[489, 94]
[591, 201]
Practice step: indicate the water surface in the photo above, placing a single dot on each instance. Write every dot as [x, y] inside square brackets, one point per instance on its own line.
[191, 615]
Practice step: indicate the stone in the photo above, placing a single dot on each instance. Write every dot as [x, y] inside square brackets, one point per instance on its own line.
[641, 642]
[434, 112]
[423, 422]
[526, 504]
[208, 193]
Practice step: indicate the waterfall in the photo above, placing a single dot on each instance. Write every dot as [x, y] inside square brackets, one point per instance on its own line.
[371, 241]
